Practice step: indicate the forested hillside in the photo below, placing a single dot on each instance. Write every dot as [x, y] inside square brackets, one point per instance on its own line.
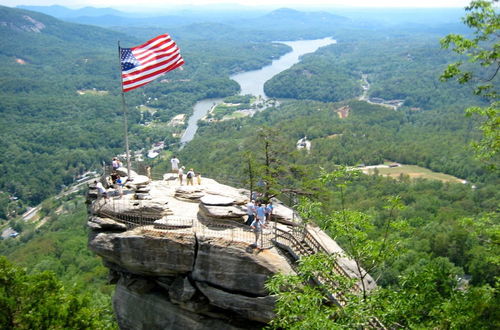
[398, 66]
[61, 114]
[439, 236]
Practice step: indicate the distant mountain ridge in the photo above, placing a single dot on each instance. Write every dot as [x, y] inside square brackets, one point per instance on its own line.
[64, 12]
[295, 19]
[25, 21]
[279, 19]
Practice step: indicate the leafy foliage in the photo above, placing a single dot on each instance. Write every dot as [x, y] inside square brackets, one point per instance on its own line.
[40, 301]
[60, 105]
[483, 50]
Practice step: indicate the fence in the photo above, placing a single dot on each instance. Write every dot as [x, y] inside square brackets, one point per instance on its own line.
[298, 240]
[133, 214]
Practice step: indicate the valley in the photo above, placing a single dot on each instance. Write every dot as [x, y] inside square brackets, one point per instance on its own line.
[285, 120]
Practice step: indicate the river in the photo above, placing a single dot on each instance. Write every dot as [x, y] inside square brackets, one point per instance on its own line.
[252, 82]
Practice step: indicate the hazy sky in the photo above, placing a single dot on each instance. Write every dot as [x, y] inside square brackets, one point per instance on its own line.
[274, 3]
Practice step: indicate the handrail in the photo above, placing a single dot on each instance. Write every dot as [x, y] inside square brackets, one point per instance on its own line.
[145, 219]
[300, 242]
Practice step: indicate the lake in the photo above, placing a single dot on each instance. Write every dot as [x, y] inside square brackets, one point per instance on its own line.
[252, 82]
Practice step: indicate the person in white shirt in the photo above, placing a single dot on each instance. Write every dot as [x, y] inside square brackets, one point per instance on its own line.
[181, 174]
[175, 164]
[100, 188]
[250, 212]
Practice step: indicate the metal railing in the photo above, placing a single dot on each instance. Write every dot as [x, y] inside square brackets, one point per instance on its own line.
[297, 241]
[136, 216]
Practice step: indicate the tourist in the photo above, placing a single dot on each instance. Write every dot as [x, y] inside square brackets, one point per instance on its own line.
[116, 163]
[181, 174]
[198, 178]
[269, 211]
[175, 164]
[148, 172]
[260, 212]
[100, 189]
[119, 187]
[114, 176]
[189, 177]
[250, 212]
[257, 225]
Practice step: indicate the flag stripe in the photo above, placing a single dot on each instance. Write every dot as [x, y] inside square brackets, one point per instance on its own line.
[131, 84]
[129, 79]
[144, 63]
[140, 53]
[159, 60]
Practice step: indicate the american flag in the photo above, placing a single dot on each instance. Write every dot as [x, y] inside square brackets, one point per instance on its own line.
[144, 63]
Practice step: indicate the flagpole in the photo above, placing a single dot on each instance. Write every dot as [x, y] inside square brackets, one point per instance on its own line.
[125, 121]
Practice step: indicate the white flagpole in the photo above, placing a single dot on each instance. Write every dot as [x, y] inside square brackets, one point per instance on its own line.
[125, 122]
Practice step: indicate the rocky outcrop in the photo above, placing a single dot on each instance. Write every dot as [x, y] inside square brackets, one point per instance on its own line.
[185, 260]
[235, 267]
[143, 254]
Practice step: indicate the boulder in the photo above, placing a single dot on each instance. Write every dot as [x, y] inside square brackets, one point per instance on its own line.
[189, 193]
[235, 266]
[240, 196]
[195, 193]
[153, 310]
[143, 196]
[123, 172]
[143, 189]
[217, 200]
[165, 255]
[139, 180]
[284, 214]
[209, 212]
[134, 208]
[253, 308]
[105, 224]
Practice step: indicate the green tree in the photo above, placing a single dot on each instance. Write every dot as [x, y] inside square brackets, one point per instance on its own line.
[355, 229]
[483, 50]
[40, 301]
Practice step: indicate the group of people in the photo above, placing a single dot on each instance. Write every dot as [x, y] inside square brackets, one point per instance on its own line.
[116, 180]
[259, 214]
[190, 175]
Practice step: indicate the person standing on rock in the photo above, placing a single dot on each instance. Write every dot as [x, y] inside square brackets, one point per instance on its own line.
[261, 213]
[181, 174]
[250, 212]
[119, 187]
[175, 164]
[189, 177]
[100, 188]
[116, 163]
[269, 211]
[198, 178]
[257, 225]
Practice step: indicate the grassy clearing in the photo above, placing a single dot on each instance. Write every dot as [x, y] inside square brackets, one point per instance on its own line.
[415, 172]
[92, 92]
[145, 108]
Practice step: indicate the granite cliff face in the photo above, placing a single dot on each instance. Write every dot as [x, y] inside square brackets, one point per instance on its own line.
[182, 258]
